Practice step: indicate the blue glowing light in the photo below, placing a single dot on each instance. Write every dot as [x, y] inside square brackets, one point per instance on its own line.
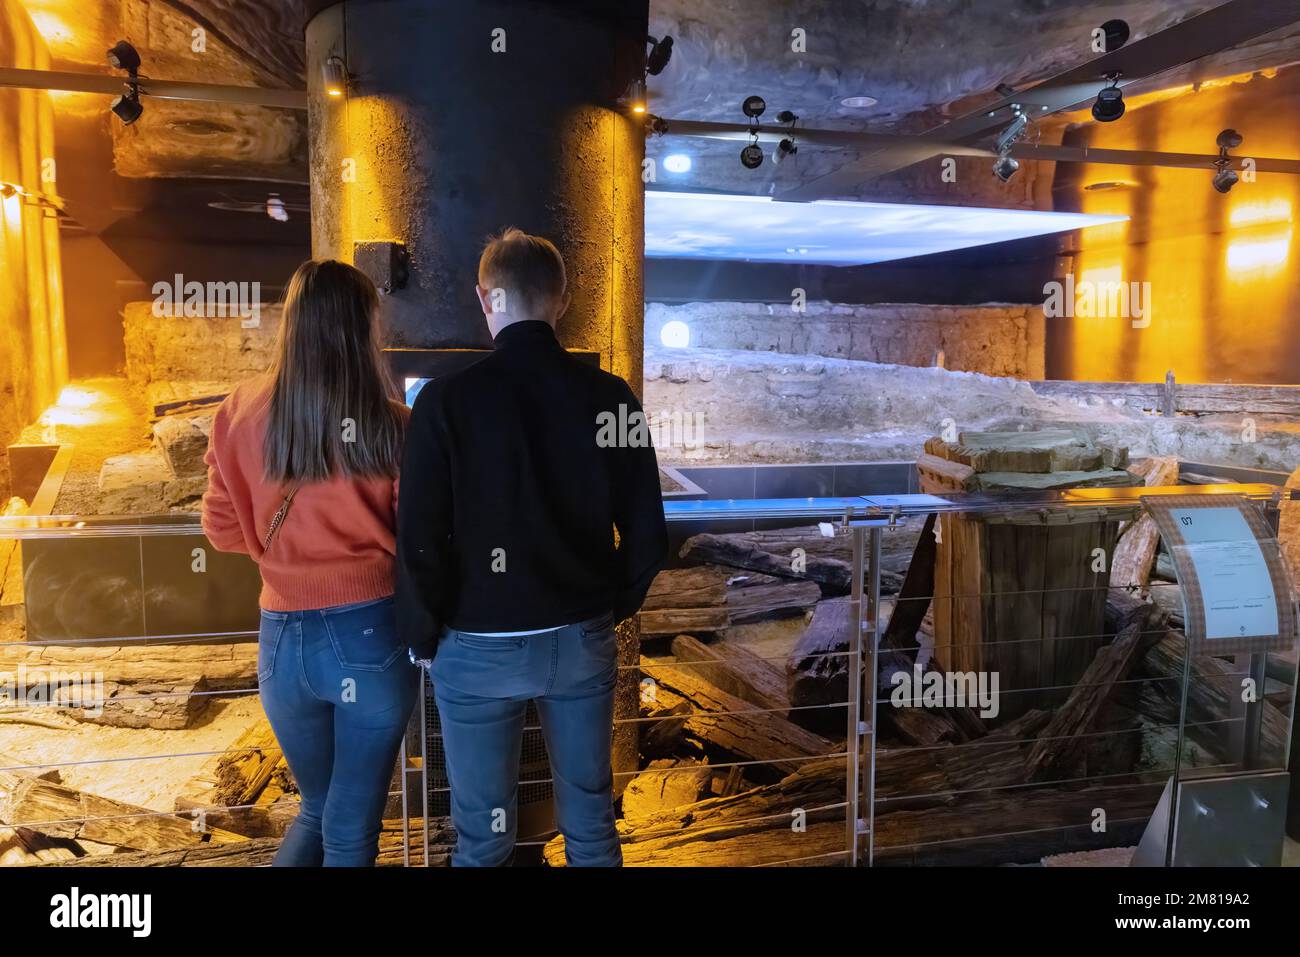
[832, 232]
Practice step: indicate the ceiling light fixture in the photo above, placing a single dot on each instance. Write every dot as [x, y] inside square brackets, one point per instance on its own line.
[1224, 176]
[1005, 166]
[1110, 101]
[126, 107]
[859, 102]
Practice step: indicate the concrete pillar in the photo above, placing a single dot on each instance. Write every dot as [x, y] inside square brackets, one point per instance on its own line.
[461, 118]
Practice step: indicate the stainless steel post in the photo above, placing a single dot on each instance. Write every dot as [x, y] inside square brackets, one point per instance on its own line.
[871, 633]
[853, 732]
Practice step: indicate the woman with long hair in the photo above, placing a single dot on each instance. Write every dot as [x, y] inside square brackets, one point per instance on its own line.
[302, 468]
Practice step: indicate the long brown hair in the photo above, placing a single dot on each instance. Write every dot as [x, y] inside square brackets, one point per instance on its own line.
[332, 404]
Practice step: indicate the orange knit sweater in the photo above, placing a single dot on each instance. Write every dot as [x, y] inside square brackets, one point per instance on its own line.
[335, 547]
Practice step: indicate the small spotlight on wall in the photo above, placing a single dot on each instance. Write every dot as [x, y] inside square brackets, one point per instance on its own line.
[1005, 168]
[1225, 177]
[128, 107]
[123, 56]
[784, 149]
[334, 76]
[751, 157]
[677, 163]
[1110, 102]
[7, 190]
[635, 97]
[661, 51]
[675, 334]
[754, 106]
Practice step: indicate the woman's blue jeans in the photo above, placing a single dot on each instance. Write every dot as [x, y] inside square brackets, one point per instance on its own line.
[338, 689]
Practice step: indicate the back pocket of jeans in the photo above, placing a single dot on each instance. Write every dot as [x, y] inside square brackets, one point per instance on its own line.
[268, 640]
[365, 638]
[490, 643]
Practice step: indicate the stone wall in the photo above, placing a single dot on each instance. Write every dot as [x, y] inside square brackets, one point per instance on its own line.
[993, 339]
[180, 357]
[743, 407]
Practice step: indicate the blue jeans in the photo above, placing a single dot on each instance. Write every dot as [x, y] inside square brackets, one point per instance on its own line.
[482, 686]
[338, 689]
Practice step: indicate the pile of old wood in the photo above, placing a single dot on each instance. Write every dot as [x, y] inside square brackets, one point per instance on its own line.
[743, 753]
[161, 693]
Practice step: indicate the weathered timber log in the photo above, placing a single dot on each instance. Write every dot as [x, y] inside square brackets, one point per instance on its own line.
[1062, 742]
[1136, 549]
[817, 671]
[733, 726]
[59, 811]
[700, 586]
[755, 827]
[665, 784]
[757, 597]
[221, 666]
[739, 551]
[675, 621]
[235, 778]
[258, 852]
[1214, 687]
[660, 737]
[736, 670]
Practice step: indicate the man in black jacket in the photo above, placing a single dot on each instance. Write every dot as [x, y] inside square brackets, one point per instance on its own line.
[530, 521]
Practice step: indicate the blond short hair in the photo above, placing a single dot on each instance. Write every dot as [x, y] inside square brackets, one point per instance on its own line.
[529, 269]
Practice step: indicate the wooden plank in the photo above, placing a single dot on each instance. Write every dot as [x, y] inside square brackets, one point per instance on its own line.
[1136, 549]
[1192, 398]
[736, 670]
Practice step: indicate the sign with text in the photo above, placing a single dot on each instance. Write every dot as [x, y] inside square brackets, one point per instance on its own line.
[1236, 593]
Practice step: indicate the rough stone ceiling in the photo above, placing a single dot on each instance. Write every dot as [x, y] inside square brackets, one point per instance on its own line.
[924, 60]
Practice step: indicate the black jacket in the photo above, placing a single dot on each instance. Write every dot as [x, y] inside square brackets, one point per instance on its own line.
[509, 502]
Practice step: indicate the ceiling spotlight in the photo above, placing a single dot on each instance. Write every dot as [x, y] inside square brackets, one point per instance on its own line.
[1005, 168]
[123, 56]
[128, 107]
[1224, 176]
[677, 163]
[754, 106]
[661, 51]
[783, 149]
[334, 76]
[1110, 102]
[7, 190]
[751, 157]
[858, 102]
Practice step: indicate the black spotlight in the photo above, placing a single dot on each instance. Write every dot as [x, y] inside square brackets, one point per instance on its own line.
[128, 106]
[787, 147]
[1117, 34]
[1005, 167]
[751, 157]
[754, 106]
[1110, 103]
[1225, 177]
[661, 51]
[123, 56]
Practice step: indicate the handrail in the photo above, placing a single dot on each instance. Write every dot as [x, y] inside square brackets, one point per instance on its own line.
[868, 509]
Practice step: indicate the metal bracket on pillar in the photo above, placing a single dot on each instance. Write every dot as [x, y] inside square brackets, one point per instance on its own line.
[387, 264]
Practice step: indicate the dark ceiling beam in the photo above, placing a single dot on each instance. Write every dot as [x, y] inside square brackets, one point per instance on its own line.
[161, 89]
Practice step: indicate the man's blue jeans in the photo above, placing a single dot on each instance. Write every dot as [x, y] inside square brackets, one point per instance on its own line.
[482, 686]
[338, 688]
